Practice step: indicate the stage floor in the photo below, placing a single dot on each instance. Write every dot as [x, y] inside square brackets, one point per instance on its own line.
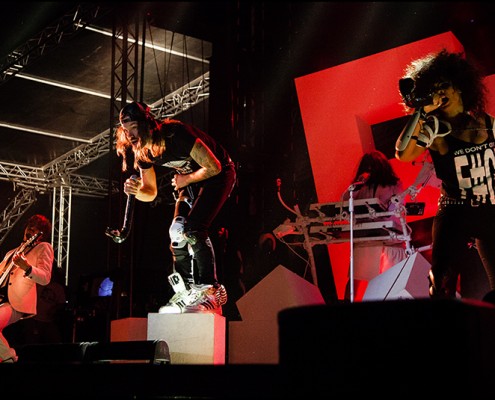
[150, 381]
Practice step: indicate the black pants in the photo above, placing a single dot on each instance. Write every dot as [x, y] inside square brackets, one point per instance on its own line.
[195, 262]
[454, 228]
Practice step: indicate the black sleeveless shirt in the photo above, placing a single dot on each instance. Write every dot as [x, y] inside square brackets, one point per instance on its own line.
[467, 171]
[179, 140]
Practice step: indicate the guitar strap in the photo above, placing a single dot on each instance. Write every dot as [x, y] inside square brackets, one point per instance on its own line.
[6, 265]
[5, 285]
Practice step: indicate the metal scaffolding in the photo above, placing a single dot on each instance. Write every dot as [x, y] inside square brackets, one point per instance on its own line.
[59, 176]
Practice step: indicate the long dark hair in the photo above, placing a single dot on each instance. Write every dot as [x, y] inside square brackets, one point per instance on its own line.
[378, 166]
[148, 127]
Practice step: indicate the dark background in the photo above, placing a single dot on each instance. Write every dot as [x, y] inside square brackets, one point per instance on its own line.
[259, 48]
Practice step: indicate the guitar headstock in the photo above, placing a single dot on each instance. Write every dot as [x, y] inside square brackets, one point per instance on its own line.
[34, 237]
[31, 242]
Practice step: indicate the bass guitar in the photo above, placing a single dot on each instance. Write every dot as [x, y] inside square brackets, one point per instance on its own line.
[24, 248]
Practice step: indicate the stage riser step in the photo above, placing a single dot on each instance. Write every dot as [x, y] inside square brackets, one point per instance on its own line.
[142, 351]
[193, 338]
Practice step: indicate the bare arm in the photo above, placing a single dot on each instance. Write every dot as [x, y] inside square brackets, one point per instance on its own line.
[144, 188]
[406, 147]
[210, 166]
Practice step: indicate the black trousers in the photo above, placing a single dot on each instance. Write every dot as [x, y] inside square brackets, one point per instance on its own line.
[195, 261]
[455, 229]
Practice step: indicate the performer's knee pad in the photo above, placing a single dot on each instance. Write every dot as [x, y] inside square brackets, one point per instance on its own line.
[176, 232]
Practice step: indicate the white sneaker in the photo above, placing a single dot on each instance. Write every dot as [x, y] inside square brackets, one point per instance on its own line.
[208, 299]
[177, 303]
[180, 299]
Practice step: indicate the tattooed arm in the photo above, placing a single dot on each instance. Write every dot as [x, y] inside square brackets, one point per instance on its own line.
[210, 166]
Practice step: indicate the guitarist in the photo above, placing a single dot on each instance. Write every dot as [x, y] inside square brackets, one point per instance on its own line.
[21, 269]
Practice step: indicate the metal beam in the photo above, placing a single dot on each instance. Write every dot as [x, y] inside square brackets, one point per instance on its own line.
[61, 214]
[51, 37]
[24, 199]
[58, 176]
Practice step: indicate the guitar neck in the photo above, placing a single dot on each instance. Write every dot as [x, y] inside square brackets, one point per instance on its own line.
[24, 248]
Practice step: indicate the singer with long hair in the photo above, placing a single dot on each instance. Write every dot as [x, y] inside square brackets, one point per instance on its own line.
[374, 179]
[21, 269]
[204, 177]
[447, 96]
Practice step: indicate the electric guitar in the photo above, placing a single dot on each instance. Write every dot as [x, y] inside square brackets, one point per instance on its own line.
[24, 248]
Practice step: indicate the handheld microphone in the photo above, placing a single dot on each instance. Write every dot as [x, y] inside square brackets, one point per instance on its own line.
[119, 236]
[407, 87]
[420, 102]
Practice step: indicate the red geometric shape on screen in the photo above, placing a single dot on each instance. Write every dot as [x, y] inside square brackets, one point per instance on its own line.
[339, 106]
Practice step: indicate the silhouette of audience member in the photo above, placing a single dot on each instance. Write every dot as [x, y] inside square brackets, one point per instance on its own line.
[46, 325]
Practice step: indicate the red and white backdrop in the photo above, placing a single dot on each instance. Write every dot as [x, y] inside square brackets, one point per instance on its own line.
[341, 107]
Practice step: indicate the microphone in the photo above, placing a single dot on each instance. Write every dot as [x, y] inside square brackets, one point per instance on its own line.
[360, 181]
[120, 236]
[407, 88]
[419, 102]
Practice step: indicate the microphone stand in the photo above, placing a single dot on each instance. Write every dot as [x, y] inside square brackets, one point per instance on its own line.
[351, 241]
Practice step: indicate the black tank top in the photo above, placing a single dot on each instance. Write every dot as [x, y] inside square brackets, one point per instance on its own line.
[467, 171]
